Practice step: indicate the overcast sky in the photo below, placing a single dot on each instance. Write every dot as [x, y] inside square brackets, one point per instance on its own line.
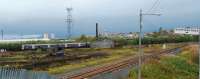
[39, 16]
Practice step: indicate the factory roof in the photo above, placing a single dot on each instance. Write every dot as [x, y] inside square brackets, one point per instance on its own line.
[22, 40]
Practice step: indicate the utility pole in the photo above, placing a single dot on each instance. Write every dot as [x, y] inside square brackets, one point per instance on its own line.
[199, 52]
[2, 34]
[140, 47]
[140, 42]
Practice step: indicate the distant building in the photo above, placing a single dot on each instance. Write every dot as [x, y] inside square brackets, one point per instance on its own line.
[53, 36]
[22, 40]
[103, 44]
[187, 30]
[130, 35]
[148, 34]
[49, 36]
[46, 36]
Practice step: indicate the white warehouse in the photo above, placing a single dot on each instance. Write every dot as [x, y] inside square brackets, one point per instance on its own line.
[187, 30]
[45, 38]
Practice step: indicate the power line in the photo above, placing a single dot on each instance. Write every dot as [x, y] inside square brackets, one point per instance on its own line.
[152, 23]
[154, 6]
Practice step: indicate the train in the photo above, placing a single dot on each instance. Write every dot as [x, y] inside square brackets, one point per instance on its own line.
[60, 46]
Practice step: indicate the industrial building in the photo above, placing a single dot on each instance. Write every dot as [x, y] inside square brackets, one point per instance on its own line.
[103, 44]
[46, 37]
[187, 30]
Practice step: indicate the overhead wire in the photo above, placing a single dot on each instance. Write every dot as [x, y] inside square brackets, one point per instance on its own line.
[152, 10]
[154, 6]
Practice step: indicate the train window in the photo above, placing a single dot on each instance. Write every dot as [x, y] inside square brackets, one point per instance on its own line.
[54, 46]
[73, 45]
[62, 46]
[43, 46]
[28, 47]
[82, 44]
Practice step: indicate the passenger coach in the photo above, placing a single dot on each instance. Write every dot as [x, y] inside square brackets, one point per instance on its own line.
[47, 46]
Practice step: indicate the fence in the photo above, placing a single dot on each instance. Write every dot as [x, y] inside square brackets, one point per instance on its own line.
[12, 73]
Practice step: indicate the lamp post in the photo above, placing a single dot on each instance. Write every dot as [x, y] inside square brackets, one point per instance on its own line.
[140, 41]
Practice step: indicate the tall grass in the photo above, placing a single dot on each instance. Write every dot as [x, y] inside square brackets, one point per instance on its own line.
[183, 66]
[168, 68]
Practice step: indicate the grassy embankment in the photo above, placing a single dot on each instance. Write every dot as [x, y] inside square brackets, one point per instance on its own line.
[182, 66]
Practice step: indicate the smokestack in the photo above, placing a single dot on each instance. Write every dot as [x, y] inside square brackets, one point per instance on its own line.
[97, 31]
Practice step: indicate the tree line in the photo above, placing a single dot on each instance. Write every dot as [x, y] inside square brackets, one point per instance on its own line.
[157, 40]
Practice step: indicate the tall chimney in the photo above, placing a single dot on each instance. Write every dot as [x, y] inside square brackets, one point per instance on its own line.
[97, 31]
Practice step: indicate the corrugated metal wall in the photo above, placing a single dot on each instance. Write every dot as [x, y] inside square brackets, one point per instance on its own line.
[12, 73]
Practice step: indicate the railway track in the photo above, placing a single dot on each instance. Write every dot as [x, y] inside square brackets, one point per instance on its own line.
[120, 65]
